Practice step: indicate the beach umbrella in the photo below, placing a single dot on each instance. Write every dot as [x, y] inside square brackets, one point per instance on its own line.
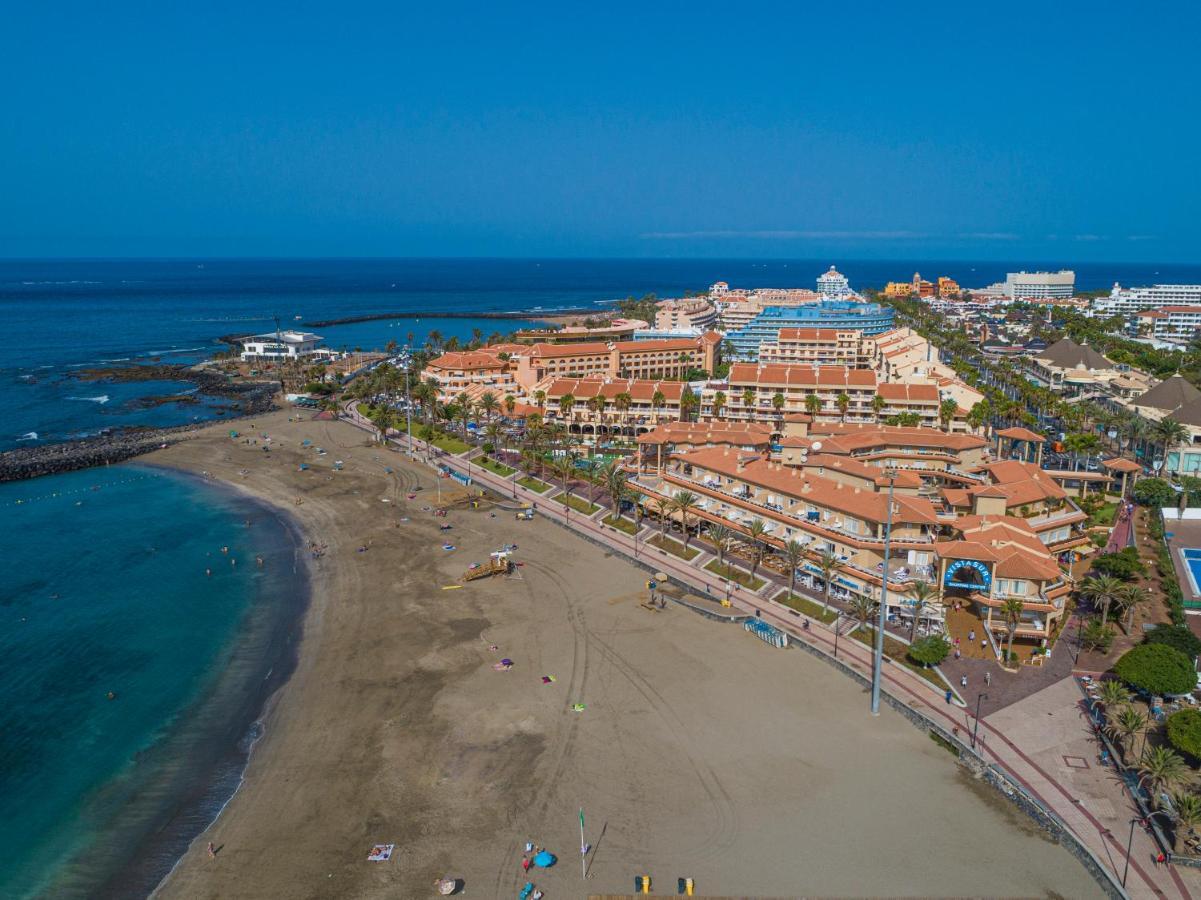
[544, 859]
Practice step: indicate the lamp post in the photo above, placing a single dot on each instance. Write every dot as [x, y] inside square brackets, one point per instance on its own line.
[1130, 840]
[976, 727]
[878, 660]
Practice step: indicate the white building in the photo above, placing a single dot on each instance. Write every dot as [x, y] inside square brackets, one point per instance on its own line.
[282, 345]
[1040, 285]
[833, 284]
[1171, 321]
[1123, 301]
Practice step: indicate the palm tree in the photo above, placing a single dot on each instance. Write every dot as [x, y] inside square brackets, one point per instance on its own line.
[1160, 768]
[843, 402]
[1187, 808]
[1170, 434]
[813, 404]
[863, 608]
[384, 419]
[613, 477]
[1113, 694]
[719, 403]
[1129, 597]
[720, 536]
[1011, 609]
[1125, 725]
[510, 404]
[622, 403]
[488, 404]
[1103, 589]
[777, 403]
[921, 591]
[755, 531]
[597, 404]
[657, 400]
[748, 400]
[463, 406]
[540, 399]
[566, 402]
[685, 502]
[688, 402]
[794, 552]
[663, 509]
[878, 404]
[946, 412]
[827, 564]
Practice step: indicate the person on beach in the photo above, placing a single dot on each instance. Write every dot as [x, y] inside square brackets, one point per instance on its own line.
[212, 851]
[987, 679]
[971, 635]
[963, 681]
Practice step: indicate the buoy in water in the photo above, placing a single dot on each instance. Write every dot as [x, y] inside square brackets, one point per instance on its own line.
[111, 696]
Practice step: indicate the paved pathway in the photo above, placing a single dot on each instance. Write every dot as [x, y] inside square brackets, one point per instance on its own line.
[1023, 741]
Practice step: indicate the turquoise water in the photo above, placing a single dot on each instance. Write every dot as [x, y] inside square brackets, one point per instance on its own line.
[106, 591]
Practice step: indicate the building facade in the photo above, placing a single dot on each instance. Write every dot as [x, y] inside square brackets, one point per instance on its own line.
[1040, 285]
[848, 315]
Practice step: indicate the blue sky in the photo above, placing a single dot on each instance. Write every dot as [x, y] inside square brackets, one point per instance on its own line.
[1050, 131]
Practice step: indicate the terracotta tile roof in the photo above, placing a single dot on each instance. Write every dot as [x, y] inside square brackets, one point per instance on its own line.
[736, 433]
[965, 550]
[871, 506]
[839, 437]
[555, 351]
[920, 393]
[1021, 434]
[820, 461]
[678, 344]
[467, 360]
[1020, 563]
[639, 389]
[1118, 464]
[801, 376]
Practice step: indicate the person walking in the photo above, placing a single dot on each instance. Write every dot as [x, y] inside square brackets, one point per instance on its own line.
[963, 681]
[212, 851]
[987, 679]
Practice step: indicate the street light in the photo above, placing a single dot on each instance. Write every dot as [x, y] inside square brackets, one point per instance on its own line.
[1130, 840]
[976, 727]
[878, 660]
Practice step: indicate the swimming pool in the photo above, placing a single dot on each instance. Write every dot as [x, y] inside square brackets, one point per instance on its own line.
[1192, 560]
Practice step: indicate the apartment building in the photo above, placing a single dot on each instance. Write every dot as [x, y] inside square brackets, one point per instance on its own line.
[1178, 400]
[1040, 285]
[1170, 321]
[610, 406]
[751, 388]
[670, 358]
[454, 373]
[685, 314]
[1126, 301]
[614, 330]
[817, 346]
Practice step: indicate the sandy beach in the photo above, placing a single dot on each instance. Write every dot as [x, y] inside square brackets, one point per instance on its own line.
[699, 751]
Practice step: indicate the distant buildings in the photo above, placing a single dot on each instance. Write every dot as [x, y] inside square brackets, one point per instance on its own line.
[282, 345]
[613, 330]
[1169, 321]
[850, 315]
[947, 288]
[1125, 301]
[688, 313]
[833, 284]
[1040, 285]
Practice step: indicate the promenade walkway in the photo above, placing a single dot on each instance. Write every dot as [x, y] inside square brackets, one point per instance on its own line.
[1024, 741]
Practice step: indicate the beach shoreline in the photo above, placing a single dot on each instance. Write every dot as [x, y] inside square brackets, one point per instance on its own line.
[141, 820]
[395, 727]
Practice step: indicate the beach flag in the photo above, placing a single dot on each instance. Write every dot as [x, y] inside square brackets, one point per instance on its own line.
[581, 818]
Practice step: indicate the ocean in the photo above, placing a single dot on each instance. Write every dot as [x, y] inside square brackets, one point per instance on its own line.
[108, 592]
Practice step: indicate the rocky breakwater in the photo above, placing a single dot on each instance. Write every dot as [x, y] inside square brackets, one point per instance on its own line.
[247, 398]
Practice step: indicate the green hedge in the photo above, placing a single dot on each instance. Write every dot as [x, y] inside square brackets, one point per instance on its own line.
[1157, 669]
[1184, 732]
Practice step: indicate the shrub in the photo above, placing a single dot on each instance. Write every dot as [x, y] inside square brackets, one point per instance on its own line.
[1097, 636]
[1157, 669]
[489, 448]
[929, 651]
[1124, 564]
[1153, 492]
[1184, 732]
[1179, 636]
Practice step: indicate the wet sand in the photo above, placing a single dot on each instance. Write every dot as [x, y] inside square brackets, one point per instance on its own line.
[700, 752]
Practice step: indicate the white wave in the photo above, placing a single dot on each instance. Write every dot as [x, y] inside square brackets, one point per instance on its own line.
[102, 399]
[62, 282]
[28, 436]
[172, 350]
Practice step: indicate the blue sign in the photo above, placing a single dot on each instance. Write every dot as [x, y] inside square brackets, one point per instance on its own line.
[954, 578]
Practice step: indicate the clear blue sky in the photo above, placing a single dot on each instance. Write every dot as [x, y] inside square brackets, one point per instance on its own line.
[1044, 131]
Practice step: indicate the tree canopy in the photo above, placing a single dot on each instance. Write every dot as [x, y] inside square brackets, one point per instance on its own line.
[1157, 669]
[1184, 732]
[929, 651]
[1179, 636]
[1154, 492]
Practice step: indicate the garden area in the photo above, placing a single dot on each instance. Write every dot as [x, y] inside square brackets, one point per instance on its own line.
[727, 571]
[579, 504]
[1149, 713]
[533, 484]
[621, 524]
[675, 548]
[442, 440]
[499, 468]
[811, 608]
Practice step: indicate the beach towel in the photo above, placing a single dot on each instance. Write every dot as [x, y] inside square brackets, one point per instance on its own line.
[526, 891]
[381, 853]
[545, 859]
[506, 662]
[502, 667]
[548, 679]
[448, 546]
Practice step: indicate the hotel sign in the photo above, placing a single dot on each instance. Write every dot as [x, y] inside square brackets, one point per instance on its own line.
[967, 568]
